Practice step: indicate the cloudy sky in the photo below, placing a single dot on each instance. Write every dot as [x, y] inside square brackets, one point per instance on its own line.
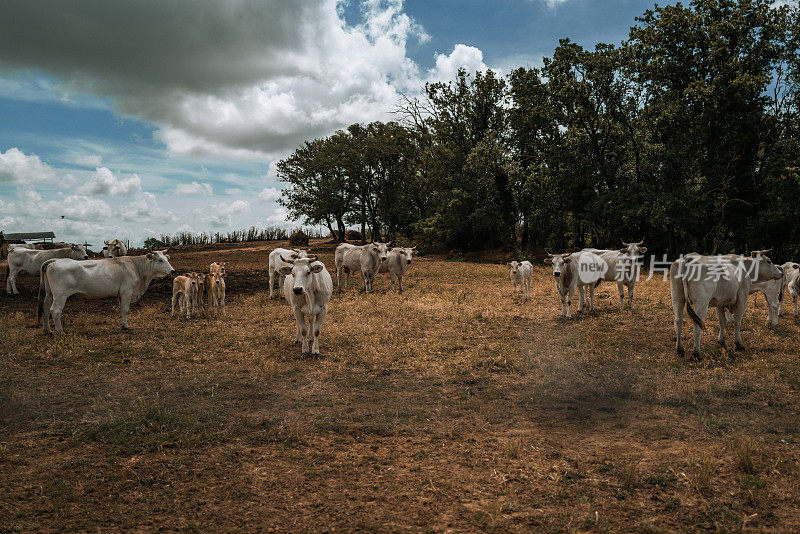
[131, 118]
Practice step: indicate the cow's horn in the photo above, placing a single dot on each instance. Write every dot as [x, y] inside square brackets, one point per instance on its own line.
[626, 244]
[284, 260]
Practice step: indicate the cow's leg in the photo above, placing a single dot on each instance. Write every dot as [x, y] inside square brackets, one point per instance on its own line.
[738, 315]
[631, 287]
[570, 293]
[316, 328]
[392, 277]
[174, 302]
[48, 302]
[591, 296]
[722, 322]
[124, 306]
[12, 282]
[271, 281]
[514, 290]
[701, 309]
[774, 310]
[581, 298]
[302, 329]
[400, 283]
[8, 282]
[56, 308]
[678, 303]
[621, 290]
[222, 302]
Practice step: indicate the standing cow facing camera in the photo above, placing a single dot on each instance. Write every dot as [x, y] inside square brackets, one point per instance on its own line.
[308, 287]
[275, 265]
[396, 264]
[366, 258]
[521, 274]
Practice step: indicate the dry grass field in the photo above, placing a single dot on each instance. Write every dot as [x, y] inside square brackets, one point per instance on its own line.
[450, 407]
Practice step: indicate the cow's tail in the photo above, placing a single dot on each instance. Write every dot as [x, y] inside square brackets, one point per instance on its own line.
[42, 287]
[8, 271]
[690, 308]
[783, 282]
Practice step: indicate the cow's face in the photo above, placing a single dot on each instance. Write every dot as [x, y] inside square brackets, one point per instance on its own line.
[408, 253]
[302, 270]
[78, 252]
[633, 250]
[514, 266]
[766, 270]
[218, 268]
[160, 263]
[560, 263]
[382, 250]
[114, 248]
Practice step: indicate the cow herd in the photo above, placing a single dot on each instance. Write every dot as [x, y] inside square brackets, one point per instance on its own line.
[697, 283]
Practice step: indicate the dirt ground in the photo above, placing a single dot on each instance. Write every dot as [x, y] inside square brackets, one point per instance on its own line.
[451, 407]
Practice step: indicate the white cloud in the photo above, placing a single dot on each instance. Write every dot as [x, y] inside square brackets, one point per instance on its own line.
[7, 221]
[104, 182]
[233, 191]
[194, 188]
[270, 194]
[90, 161]
[5, 206]
[221, 215]
[279, 218]
[80, 208]
[462, 56]
[146, 207]
[275, 74]
[15, 166]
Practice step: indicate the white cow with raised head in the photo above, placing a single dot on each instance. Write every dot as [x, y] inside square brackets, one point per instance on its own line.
[127, 278]
[396, 264]
[308, 288]
[521, 275]
[620, 266]
[698, 282]
[30, 261]
[365, 258]
[565, 276]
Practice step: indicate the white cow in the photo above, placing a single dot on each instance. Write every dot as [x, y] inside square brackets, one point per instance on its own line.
[114, 249]
[565, 276]
[127, 278]
[698, 282]
[521, 274]
[397, 261]
[620, 266]
[791, 279]
[29, 261]
[275, 265]
[308, 287]
[366, 258]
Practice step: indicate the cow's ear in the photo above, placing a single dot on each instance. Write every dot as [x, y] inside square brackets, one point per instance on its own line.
[624, 250]
[795, 266]
[317, 268]
[105, 248]
[546, 260]
[642, 249]
[567, 260]
[286, 271]
[150, 256]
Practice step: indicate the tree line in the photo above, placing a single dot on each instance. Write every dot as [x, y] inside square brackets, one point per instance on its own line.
[686, 134]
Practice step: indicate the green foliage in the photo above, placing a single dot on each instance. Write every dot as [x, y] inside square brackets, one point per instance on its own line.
[687, 135]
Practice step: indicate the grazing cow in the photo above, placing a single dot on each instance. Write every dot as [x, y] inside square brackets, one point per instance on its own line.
[308, 287]
[215, 284]
[275, 265]
[186, 293]
[620, 266]
[565, 276]
[396, 264]
[791, 279]
[127, 278]
[114, 249]
[24, 260]
[521, 275]
[366, 258]
[698, 282]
